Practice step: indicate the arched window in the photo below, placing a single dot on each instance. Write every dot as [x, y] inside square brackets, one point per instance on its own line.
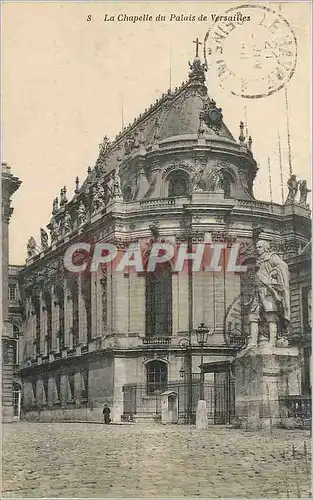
[156, 376]
[127, 193]
[59, 291]
[159, 302]
[75, 313]
[178, 184]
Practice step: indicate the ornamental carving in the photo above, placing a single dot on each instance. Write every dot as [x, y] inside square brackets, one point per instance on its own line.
[212, 116]
[98, 198]
[219, 236]
[177, 165]
[81, 214]
[197, 179]
[7, 212]
[67, 224]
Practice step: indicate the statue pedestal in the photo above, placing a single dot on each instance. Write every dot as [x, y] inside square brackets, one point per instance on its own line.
[264, 374]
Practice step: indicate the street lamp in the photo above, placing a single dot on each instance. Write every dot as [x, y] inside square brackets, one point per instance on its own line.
[202, 333]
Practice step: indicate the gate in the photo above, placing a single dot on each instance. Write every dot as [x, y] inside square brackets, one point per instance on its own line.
[220, 399]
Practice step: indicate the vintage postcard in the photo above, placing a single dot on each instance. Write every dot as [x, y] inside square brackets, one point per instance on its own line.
[156, 249]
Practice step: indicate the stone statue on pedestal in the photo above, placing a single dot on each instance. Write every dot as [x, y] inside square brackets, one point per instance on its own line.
[304, 191]
[271, 303]
[293, 186]
[31, 247]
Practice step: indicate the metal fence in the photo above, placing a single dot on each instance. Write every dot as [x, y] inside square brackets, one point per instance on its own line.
[142, 401]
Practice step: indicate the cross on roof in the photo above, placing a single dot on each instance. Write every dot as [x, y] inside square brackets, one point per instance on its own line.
[196, 41]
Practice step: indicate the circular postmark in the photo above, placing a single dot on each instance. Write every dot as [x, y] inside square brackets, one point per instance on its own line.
[251, 50]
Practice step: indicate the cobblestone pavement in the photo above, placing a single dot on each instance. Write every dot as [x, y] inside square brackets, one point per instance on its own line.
[140, 460]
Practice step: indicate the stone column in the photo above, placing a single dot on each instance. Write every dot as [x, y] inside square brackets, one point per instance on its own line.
[68, 316]
[55, 320]
[82, 322]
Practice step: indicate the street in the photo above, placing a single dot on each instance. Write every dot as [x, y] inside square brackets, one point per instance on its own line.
[150, 460]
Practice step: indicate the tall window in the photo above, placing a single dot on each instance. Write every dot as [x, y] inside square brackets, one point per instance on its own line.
[159, 302]
[178, 184]
[47, 299]
[37, 312]
[156, 376]
[86, 293]
[60, 299]
[74, 292]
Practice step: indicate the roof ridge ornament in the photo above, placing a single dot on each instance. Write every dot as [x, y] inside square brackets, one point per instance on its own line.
[198, 69]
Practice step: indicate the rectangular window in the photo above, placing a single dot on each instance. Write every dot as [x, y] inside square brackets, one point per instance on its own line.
[12, 291]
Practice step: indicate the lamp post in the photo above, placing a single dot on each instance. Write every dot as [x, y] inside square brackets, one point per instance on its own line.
[202, 333]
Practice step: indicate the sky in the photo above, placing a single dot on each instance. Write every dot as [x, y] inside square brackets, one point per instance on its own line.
[64, 80]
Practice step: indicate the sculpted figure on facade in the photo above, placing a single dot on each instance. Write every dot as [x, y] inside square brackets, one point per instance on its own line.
[98, 199]
[216, 182]
[117, 190]
[67, 224]
[31, 247]
[81, 214]
[197, 178]
[44, 239]
[54, 230]
[55, 206]
[304, 191]
[293, 186]
[272, 296]
[110, 186]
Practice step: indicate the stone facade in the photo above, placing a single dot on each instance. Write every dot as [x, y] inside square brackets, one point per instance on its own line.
[9, 185]
[176, 175]
[301, 306]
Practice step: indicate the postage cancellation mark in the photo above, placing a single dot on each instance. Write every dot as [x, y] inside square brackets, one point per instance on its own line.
[252, 50]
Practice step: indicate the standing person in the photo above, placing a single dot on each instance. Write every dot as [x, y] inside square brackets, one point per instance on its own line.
[106, 414]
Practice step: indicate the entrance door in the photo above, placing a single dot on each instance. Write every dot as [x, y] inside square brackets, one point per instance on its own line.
[129, 400]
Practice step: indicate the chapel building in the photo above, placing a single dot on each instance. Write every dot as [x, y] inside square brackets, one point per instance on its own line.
[177, 176]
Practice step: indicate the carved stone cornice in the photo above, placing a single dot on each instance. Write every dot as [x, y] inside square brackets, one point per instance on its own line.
[7, 211]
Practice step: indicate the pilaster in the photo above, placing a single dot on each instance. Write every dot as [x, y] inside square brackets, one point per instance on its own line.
[82, 314]
[94, 305]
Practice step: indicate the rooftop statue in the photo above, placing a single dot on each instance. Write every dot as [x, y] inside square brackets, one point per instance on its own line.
[81, 214]
[31, 247]
[304, 191]
[293, 185]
